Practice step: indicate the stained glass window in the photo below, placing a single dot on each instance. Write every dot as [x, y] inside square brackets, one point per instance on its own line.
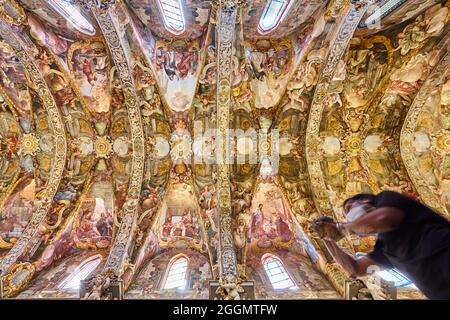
[72, 282]
[273, 13]
[177, 273]
[73, 15]
[172, 12]
[277, 273]
[395, 276]
[381, 12]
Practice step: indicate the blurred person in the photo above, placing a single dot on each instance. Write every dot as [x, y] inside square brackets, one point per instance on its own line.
[410, 237]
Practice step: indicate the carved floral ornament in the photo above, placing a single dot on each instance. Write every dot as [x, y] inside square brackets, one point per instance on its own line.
[99, 5]
[17, 279]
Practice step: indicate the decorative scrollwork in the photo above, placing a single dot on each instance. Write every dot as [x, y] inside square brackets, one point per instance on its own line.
[59, 158]
[411, 122]
[101, 6]
[319, 189]
[336, 51]
[118, 253]
[17, 279]
[225, 38]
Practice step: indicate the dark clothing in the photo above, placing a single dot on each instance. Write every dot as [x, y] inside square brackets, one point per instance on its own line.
[419, 248]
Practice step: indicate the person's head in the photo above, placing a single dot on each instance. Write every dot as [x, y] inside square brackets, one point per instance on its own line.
[358, 205]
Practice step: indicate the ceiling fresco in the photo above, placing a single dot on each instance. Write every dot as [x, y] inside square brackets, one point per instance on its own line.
[110, 143]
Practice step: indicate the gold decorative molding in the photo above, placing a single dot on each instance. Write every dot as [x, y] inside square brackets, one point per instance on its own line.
[337, 276]
[29, 144]
[225, 37]
[17, 279]
[337, 49]
[118, 254]
[436, 76]
[58, 162]
[11, 12]
[339, 44]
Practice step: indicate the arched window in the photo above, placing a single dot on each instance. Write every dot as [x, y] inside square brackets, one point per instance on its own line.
[176, 275]
[72, 282]
[395, 276]
[73, 15]
[277, 273]
[381, 12]
[173, 16]
[273, 13]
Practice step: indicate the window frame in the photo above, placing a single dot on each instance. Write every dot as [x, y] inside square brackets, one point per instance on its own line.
[88, 29]
[383, 11]
[172, 261]
[62, 285]
[265, 259]
[164, 17]
[279, 18]
[402, 280]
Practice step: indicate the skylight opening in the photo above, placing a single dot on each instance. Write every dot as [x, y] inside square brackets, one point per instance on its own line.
[273, 14]
[277, 273]
[381, 12]
[72, 282]
[73, 15]
[173, 15]
[177, 273]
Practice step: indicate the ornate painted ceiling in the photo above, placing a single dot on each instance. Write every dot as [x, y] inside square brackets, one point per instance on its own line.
[124, 140]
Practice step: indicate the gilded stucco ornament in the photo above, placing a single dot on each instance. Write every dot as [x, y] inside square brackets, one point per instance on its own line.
[17, 279]
[227, 11]
[440, 141]
[336, 52]
[55, 120]
[337, 276]
[101, 6]
[12, 12]
[102, 147]
[119, 251]
[229, 289]
[339, 44]
[353, 143]
[29, 144]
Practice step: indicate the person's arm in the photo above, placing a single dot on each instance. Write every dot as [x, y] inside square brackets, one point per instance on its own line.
[380, 220]
[354, 267]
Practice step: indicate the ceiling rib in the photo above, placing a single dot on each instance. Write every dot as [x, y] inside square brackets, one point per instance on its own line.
[59, 159]
[118, 253]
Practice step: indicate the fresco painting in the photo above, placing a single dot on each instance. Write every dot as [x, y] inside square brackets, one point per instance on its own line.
[94, 225]
[177, 65]
[13, 80]
[269, 65]
[89, 66]
[179, 215]
[17, 212]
